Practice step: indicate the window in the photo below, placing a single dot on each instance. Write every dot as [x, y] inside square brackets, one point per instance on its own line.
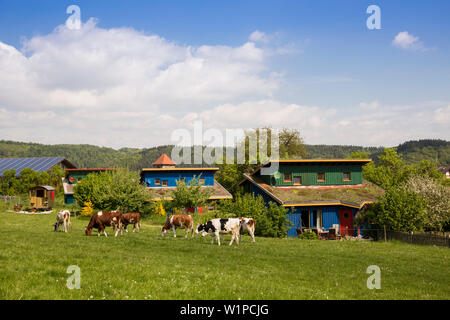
[346, 176]
[297, 181]
[318, 219]
[164, 183]
[201, 181]
[157, 182]
[40, 193]
[287, 177]
[321, 177]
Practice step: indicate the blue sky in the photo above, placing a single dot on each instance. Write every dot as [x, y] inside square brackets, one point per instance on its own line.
[319, 62]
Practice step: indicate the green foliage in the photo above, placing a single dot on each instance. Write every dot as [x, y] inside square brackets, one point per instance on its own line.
[358, 155]
[437, 197]
[190, 196]
[292, 145]
[12, 185]
[399, 209]
[120, 189]
[308, 234]
[270, 220]
[230, 175]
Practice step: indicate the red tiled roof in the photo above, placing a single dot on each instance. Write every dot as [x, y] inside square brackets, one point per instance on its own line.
[164, 159]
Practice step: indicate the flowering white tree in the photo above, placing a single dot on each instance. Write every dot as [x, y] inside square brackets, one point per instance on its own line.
[437, 197]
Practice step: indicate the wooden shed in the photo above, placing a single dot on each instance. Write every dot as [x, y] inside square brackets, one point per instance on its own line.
[42, 197]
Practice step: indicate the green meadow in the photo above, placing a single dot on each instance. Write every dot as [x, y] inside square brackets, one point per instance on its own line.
[34, 260]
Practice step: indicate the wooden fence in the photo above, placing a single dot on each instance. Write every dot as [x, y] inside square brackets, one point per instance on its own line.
[414, 238]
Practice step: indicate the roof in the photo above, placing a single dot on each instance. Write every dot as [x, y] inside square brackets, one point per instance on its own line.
[179, 169]
[164, 159]
[91, 169]
[347, 195]
[49, 188]
[36, 164]
[321, 160]
[315, 161]
[219, 192]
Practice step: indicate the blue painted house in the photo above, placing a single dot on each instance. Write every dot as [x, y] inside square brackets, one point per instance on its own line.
[163, 177]
[319, 194]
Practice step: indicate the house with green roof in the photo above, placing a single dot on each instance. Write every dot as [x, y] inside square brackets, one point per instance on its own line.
[319, 194]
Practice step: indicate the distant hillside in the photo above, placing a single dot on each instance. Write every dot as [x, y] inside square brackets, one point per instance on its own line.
[90, 156]
[435, 150]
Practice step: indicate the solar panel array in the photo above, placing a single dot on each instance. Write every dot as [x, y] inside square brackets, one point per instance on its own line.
[37, 164]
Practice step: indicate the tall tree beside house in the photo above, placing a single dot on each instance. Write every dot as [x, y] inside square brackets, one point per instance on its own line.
[417, 197]
[291, 146]
[399, 209]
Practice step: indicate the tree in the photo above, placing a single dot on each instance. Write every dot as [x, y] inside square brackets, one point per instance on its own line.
[399, 209]
[10, 185]
[292, 145]
[120, 189]
[190, 196]
[28, 178]
[437, 199]
[358, 155]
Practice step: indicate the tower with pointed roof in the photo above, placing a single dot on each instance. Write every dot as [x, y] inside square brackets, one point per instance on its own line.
[164, 161]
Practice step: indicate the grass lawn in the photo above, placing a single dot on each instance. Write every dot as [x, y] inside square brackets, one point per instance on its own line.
[34, 260]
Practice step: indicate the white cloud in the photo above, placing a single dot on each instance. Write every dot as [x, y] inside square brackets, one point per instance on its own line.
[258, 36]
[120, 87]
[406, 41]
[369, 105]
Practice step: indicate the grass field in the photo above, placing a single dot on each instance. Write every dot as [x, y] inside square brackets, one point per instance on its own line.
[34, 260]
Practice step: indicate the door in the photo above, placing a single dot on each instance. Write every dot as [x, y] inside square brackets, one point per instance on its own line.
[346, 220]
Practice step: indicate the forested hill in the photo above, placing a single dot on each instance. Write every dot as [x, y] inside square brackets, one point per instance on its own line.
[89, 156]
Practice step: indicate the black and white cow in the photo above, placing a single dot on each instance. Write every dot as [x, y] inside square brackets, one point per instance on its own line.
[218, 226]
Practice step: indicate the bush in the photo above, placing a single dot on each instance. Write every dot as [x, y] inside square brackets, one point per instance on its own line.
[399, 209]
[120, 189]
[270, 219]
[308, 234]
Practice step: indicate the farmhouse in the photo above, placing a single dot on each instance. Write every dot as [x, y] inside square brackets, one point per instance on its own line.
[317, 193]
[163, 177]
[76, 175]
[36, 164]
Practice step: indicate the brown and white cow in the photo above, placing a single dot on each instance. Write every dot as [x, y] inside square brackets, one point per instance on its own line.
[248, 224]
[133, 218]
[179, 221]
[103, 219]
[62, 218]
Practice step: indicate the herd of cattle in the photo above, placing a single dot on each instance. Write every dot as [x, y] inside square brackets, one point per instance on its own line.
[216, 228]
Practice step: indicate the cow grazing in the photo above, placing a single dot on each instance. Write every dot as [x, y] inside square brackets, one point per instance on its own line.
[248, 225]
[179, 221]
[133, 218]
[216, 227]
[62, 218]
[103, 219]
